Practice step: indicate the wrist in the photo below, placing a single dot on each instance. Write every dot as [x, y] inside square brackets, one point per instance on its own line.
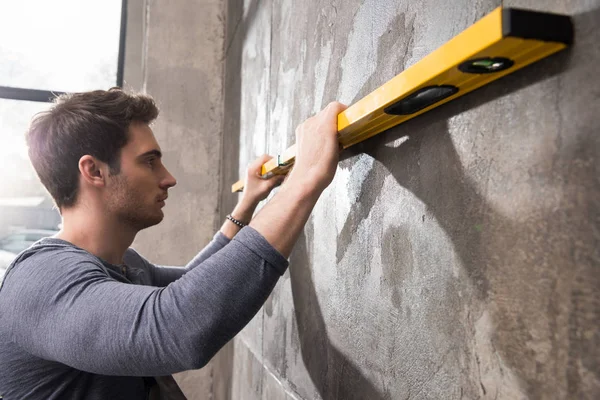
[304, 188]
[301, 192]
[247, 202]
[244, 211]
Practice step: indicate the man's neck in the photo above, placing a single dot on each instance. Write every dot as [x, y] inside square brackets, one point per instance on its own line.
[103, 237]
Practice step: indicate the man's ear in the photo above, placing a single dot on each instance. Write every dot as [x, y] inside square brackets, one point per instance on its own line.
[93, 170]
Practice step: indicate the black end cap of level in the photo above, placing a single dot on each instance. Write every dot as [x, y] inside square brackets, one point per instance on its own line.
[537, 25]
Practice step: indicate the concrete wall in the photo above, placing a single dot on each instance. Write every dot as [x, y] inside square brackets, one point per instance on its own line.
[455, 256]
[174, 52]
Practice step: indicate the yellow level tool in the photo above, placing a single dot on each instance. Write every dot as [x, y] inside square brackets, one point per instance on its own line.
[500, 43]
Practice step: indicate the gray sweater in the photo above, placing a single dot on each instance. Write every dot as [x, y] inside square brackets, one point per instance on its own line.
[73, 326]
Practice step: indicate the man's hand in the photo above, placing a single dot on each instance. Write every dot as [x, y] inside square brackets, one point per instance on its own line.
[256, 188]
[317, 154]
[317, 150]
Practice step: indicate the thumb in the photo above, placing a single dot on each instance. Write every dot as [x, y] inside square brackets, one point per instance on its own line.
[334, 108]
[255, 166]
[262, 159]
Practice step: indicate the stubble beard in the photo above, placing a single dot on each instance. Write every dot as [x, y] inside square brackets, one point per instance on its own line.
[129, 207]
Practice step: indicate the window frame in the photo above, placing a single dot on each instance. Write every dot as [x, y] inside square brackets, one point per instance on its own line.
[47, 96]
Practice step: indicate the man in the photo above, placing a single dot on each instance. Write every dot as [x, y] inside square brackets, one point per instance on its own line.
[84, 316]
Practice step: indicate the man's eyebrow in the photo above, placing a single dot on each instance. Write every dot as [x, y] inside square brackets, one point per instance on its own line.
[148, 154]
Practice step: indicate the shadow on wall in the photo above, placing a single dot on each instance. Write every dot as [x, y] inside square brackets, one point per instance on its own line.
[317, 352]
[333, 374]
[503, 258]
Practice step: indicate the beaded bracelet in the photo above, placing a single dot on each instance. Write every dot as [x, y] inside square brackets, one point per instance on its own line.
[236, 221]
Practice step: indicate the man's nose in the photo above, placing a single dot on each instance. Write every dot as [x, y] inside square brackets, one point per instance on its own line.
[169, 180]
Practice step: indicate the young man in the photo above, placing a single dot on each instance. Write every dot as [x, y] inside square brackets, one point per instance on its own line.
[82, 315]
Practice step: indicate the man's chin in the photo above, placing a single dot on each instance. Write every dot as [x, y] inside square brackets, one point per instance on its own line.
[143, 223]
[156, 220]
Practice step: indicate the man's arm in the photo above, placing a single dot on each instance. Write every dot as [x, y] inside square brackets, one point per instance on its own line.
[317, 155]
[162, 275]
[256, 189]
[63, 307]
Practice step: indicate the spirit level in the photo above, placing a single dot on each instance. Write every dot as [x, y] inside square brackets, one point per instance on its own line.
[500, 43]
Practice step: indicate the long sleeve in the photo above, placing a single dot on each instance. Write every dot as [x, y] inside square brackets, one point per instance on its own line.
[163, 275]
[217, 243]
[67, 309]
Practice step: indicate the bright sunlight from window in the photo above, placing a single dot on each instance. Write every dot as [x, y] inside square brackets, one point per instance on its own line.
[62, 45]
[58, 45]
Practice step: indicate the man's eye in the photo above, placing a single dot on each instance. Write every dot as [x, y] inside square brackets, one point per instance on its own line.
[150, 163]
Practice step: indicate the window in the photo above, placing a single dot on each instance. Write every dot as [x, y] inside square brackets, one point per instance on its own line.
[62, 45]
[46, 48]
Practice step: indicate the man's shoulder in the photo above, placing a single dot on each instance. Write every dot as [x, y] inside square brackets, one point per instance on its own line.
[42, 252]
[45, 259]
[41, 274]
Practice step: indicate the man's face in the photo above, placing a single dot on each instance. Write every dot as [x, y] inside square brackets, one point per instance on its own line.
[136, 195]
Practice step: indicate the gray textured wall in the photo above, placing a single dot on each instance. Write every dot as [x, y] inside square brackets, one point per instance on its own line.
[455, 256]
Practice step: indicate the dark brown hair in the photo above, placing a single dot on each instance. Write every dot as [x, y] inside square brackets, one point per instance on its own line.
[94, 123]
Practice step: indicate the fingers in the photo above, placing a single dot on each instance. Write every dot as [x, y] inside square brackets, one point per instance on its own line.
[256, 166]
[334, 108]
[330, 113]
[261, 160]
